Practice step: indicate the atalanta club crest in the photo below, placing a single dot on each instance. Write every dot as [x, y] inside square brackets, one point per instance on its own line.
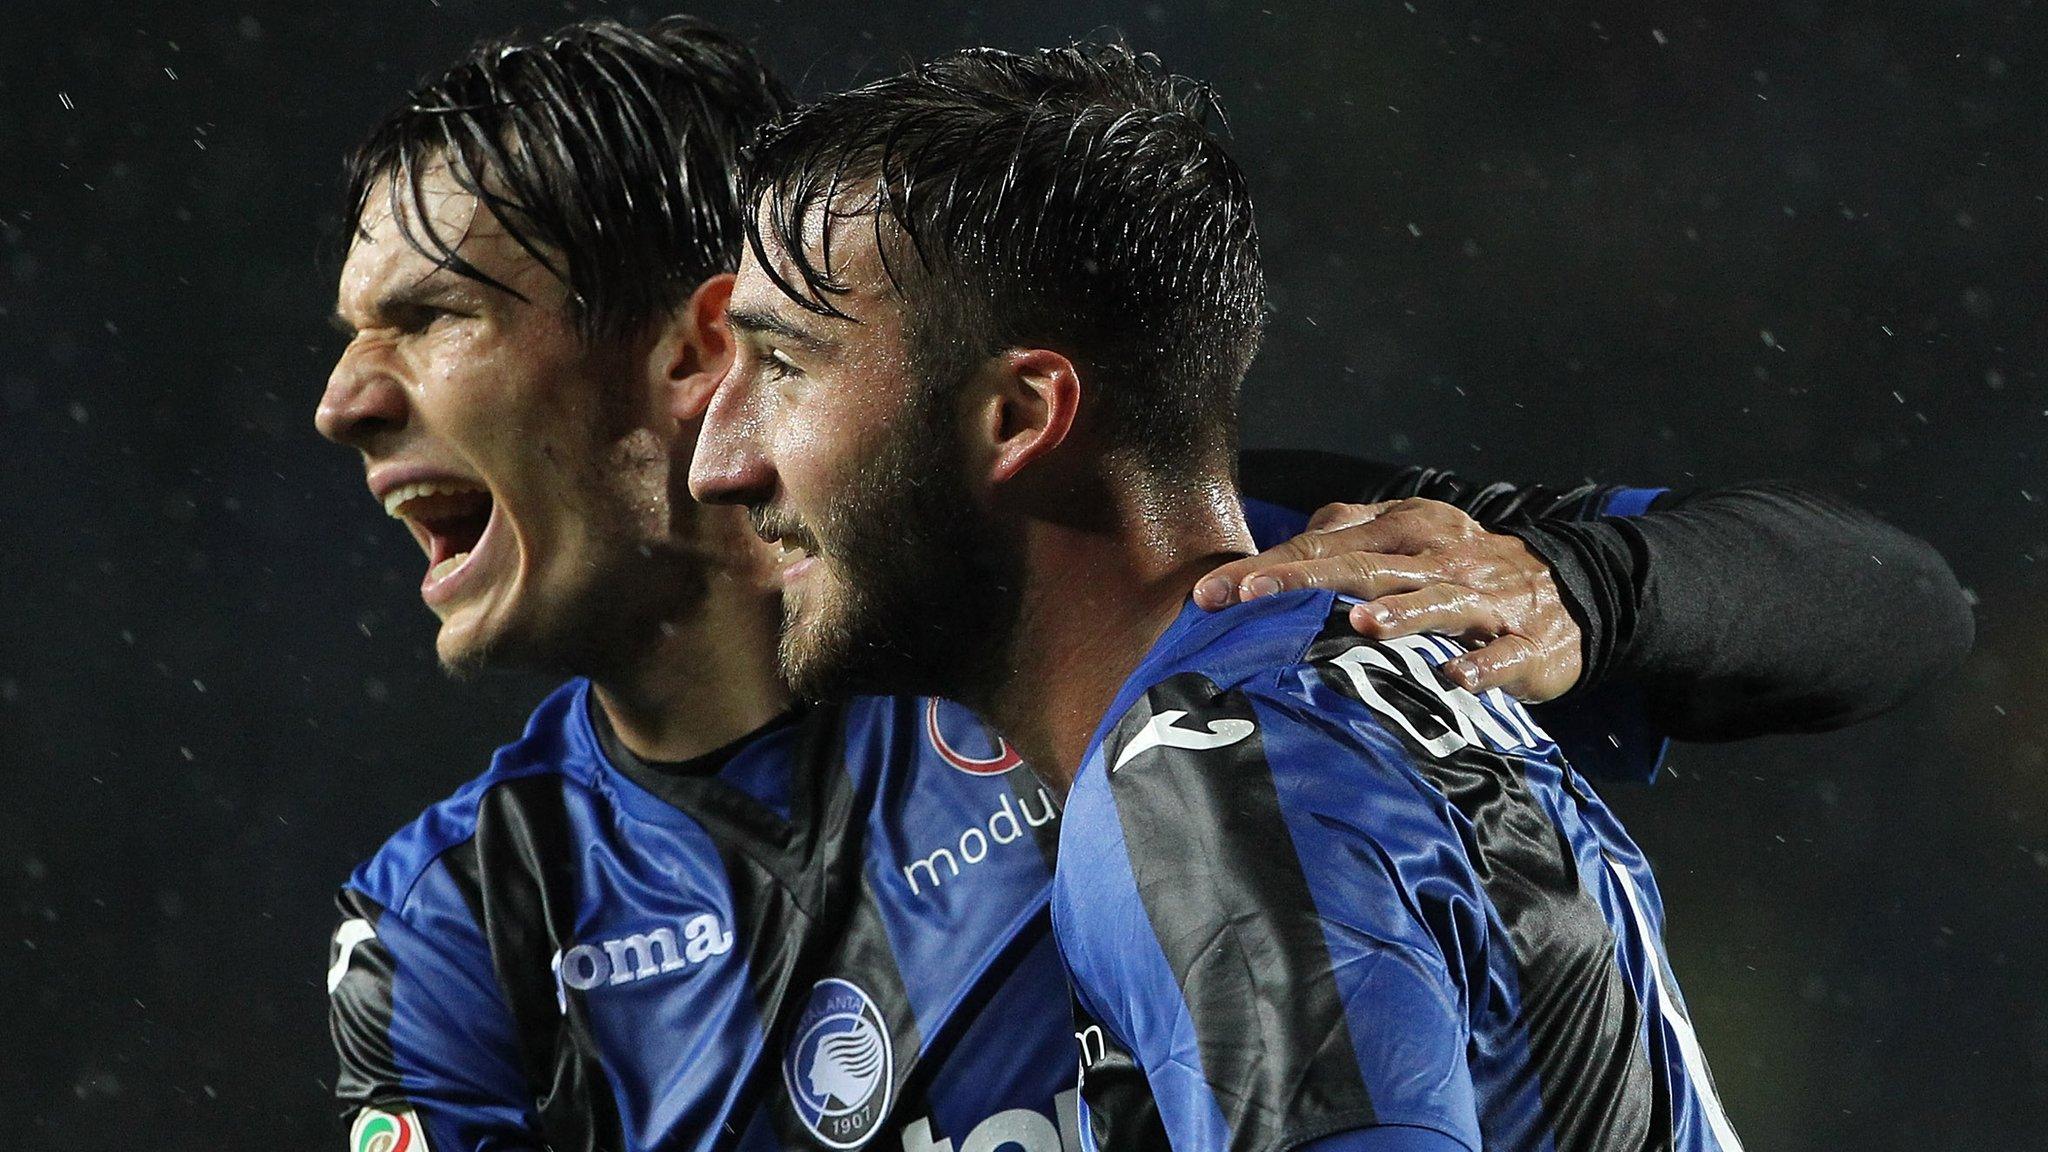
[840, 1068]
[969, 736]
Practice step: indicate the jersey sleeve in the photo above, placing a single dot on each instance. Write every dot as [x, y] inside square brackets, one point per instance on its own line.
[1280, 974]
[1748, 610]
[426, 1045]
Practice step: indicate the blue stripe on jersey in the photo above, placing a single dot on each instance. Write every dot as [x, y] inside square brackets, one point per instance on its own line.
[1631, 501]
[982, 1101]
[672, 1026]
[1095, 875]
[973, 834]
[1272, 524]
[451, 1034]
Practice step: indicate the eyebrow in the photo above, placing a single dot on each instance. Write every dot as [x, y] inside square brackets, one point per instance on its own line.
[754, 321]
[429, 293]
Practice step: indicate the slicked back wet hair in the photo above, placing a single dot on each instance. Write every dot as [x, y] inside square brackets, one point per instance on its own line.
[1074, 198]
[610, 154]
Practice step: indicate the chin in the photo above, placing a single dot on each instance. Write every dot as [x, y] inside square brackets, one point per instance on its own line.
[827, 653]
[463, 656]
[472, 641]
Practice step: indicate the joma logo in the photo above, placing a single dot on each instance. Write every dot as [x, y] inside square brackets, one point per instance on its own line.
[641, 955]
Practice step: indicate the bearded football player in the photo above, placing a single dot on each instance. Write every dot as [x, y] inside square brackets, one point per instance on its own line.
[1312, 892]
[682, 911]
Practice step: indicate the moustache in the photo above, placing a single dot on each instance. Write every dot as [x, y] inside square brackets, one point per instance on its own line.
[777, 528]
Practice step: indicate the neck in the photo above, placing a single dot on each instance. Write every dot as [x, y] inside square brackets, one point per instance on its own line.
[710, 677]
[1096, 598]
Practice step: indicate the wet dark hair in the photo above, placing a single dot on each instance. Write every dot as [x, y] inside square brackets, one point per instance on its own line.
[1071, 198]
[609, 154]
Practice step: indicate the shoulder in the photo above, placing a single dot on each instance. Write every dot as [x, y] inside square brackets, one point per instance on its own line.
[1287, 712]
[557, 747]
[1295, 667]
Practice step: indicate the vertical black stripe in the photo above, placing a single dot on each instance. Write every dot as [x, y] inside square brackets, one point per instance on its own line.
[1582, 1020]
[1248, 951]
[778, 899]
[359, 1015]
[519, 875]
[1122, 1115]
[805, 912]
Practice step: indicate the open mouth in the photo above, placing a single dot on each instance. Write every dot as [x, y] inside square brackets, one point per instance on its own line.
[450, 519]
[794, 555]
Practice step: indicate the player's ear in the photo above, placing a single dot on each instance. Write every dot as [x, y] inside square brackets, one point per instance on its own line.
[697, 349]
[1023, 408]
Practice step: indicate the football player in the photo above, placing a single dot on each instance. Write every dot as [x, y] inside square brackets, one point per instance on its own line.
[1312, 892]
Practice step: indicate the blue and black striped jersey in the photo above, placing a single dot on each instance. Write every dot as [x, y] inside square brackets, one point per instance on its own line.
[1309, 891]
[836, 938]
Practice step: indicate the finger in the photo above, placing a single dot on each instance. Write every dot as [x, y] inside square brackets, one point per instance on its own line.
[1403, 527]
[1333, 516]
[1219, 588]
[1360, 574]
[1224, 586]
[1513, 664]
[1449, 609]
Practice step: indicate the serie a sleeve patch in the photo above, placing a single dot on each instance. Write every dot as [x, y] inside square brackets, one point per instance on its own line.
[377, 1130]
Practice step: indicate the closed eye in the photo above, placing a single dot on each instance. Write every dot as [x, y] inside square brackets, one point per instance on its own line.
[415, 318]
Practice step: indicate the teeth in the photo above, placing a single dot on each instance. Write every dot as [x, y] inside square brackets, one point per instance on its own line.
[445, 567]
[396, 499]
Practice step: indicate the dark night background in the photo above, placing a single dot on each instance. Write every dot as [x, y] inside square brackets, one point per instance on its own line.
[1667, 244]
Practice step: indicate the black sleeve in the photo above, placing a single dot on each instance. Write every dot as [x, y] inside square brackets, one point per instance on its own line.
[1737, 611]
[1770, 608]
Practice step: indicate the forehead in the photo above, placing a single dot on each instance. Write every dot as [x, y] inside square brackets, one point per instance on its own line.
[381, 257]
[843, 247]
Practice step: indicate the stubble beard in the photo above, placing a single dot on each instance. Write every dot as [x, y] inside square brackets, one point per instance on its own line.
[919, 593]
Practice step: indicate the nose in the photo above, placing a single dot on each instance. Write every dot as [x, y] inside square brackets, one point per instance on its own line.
[729, 465]
[361, 401]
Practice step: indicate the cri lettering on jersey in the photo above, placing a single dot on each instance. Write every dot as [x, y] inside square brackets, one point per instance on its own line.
[1005, 825]
[1465, 721]
[639, 956]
